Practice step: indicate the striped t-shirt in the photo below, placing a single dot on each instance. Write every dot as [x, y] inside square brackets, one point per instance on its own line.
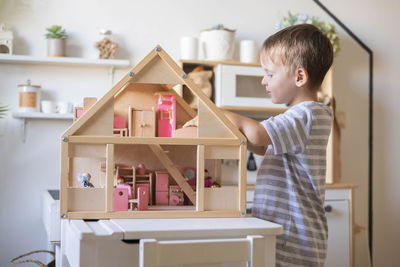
[290, 186]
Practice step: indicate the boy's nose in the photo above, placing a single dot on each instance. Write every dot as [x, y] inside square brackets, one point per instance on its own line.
[264, 81]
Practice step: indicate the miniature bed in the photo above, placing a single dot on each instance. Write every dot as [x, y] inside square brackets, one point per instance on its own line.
[134, 159]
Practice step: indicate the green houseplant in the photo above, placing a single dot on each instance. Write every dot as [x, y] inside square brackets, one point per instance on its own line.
[56, 37]
[325, 27]
[3, 111]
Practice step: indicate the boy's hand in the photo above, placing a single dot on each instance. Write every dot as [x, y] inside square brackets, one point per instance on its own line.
[192, 123]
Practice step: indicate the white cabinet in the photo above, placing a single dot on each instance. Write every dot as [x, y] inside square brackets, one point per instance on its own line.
[339, 233]
[339, 212]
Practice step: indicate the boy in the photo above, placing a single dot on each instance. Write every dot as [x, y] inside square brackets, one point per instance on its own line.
[290, 186]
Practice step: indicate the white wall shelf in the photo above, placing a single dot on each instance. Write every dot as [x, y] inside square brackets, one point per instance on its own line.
[112, 64]
[40, 115]
[74, 61]
[24, 116]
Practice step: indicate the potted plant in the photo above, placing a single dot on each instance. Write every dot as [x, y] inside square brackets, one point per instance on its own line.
[325, 27]
[56, 37]
[218, 43]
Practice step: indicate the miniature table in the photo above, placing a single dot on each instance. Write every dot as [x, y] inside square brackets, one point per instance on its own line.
[116, 242]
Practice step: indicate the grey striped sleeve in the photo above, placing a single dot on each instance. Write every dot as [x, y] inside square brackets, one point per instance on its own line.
[289, 131]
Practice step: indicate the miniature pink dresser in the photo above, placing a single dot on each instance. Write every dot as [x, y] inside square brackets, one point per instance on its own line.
[162, 188]
[166, 115]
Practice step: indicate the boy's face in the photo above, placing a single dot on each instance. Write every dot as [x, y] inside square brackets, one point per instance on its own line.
[279, 83]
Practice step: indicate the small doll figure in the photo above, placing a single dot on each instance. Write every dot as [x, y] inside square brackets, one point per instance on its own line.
[84, 180]
[207, 179]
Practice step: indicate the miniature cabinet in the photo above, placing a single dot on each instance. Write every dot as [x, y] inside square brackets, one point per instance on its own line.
[89, 145]
[162, 187]
[141, 122]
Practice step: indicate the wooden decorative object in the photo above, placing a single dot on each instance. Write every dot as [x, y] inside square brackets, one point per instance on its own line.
[90, 145]
[107, 48]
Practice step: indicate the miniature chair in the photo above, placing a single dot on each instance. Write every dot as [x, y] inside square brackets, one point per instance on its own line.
[202, 252]
[120, 199]
[120, 126]
[78, 112]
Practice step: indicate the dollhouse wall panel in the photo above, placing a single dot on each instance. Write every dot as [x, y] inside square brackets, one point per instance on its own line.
[157, 72]
[222, 198]
[213, 166]
[102, 123]
[221, 152]
[209, 126]
[86, 199]
[86, 150]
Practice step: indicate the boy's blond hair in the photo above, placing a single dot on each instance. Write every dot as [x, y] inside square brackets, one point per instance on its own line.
[301, 46]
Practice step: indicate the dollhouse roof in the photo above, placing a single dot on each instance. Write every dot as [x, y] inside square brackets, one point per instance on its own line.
[156, 68]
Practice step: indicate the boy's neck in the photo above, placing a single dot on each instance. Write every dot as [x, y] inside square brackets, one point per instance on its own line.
[304, 95]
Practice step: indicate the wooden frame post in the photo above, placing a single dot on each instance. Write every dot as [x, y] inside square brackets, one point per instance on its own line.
[242, 178]
[200, 179]
[64, 179]
[109, 177]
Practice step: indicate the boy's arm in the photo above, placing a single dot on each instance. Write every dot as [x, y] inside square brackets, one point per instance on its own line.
[257, 137]
[259, 150]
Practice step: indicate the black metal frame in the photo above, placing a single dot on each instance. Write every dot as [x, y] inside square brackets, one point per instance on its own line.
[370, 140]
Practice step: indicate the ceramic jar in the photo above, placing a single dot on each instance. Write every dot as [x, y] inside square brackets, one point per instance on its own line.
[29, 97]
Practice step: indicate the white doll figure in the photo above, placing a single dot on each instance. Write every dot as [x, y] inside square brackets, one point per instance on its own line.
[84, 180]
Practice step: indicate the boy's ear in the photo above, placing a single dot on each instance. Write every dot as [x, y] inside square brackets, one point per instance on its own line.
[301, 77]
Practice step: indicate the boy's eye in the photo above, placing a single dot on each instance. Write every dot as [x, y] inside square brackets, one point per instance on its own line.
[268, 75]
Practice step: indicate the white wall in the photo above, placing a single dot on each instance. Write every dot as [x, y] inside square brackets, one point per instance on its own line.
[27, 169]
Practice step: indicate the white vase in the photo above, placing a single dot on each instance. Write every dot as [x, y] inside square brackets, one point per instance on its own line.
[55, 47]
[217, 44]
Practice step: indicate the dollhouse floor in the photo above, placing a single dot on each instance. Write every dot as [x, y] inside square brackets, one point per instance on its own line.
[172, 207]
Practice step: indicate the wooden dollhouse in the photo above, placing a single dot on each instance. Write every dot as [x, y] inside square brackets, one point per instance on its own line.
[142, 163]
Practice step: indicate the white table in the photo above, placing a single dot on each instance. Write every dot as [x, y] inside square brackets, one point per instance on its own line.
[116, 242]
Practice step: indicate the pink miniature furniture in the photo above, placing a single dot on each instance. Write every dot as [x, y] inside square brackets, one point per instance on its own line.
[176, 196]
[162, 187]
[78, 111]
[143, 198]
[141, 169]
[128, 187]
[145, 186]
[166, 115]
[120, 199]
[120, 126]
